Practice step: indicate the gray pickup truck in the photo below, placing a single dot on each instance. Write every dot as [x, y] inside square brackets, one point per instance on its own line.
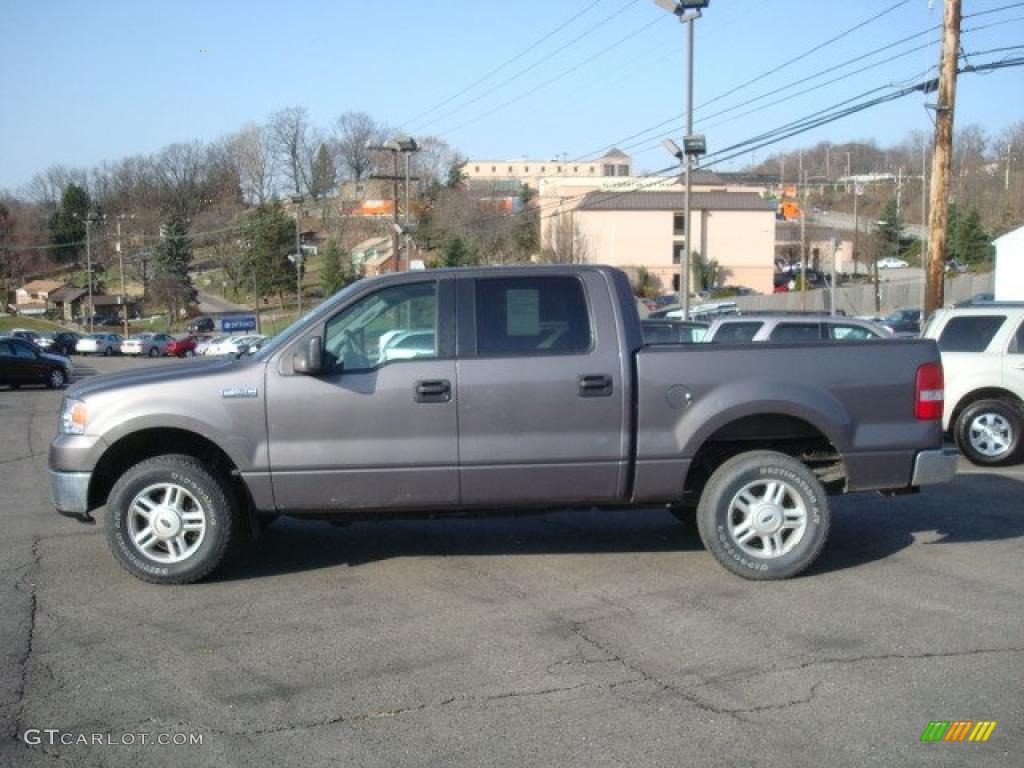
[496, 389]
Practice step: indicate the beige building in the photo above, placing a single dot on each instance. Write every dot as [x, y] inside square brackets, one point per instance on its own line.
[615, 163]
[647, 229]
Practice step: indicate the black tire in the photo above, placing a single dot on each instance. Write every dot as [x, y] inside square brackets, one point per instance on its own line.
[154, 352]
[209, 490]
[998, 412]
[749, 471]
[108, 352]
[56, 378]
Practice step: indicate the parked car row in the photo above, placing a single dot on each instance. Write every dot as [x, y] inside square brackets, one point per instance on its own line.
[228, 344]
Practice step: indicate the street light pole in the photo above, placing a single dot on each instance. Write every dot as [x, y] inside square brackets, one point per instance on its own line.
[297, 200]
[679, 8]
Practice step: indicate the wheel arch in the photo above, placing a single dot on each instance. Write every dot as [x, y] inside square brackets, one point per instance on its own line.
[982, 393]
[779, 431]
[148, 443]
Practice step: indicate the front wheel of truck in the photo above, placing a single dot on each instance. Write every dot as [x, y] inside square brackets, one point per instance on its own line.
[764, 515]
[170, 520]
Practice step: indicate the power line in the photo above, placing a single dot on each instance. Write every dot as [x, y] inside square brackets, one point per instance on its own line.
[533, 46]
[529, 68]
[556, 78]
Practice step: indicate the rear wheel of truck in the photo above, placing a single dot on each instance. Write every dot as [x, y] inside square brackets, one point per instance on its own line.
[763, 515]
[171, 521]
[988, 432]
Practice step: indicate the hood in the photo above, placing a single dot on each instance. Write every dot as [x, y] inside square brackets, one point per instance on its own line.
[159, 374]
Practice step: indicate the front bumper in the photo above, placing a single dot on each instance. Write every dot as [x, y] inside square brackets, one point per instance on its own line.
[933, 467]
[70, 493]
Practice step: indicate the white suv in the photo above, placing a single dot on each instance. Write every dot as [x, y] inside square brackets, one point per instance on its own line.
[983, 362]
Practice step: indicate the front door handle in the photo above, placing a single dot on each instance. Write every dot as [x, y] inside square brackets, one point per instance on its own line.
[594, 385]
[433, 391]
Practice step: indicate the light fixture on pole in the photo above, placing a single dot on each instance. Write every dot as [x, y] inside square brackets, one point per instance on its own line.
[687, 11]
[404, 145]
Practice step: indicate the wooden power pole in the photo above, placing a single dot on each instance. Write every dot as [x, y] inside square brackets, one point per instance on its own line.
[941, 158]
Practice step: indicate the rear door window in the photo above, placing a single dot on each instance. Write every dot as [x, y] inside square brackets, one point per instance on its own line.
[791, 332]
[737, 333]
[525, 316]
[970, 333]
[850, 333]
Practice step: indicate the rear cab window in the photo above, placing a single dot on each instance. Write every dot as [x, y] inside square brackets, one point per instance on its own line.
[792, 332]
[850, 333]
[737, 333]
[970, 333]
[526, 316]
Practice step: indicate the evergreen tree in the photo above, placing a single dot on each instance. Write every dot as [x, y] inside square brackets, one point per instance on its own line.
[324, 174]
[67, 224]
[331, 277]
[973, 243]
[172, 256]
[890, 230]
[456, 253]
[271, 237]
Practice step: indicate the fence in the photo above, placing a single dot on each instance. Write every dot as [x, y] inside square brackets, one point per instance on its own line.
[858, 298]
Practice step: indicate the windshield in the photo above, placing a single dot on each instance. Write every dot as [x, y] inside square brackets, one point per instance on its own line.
[272, 345]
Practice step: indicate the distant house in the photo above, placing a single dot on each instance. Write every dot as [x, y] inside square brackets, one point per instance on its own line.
[31, 298]
[110, 306]
[372, 256]
[66, 301]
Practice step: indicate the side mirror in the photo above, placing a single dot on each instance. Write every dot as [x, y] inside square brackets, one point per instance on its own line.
[309, 359]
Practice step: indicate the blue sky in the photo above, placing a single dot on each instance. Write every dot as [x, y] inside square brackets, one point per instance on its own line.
[88, 82]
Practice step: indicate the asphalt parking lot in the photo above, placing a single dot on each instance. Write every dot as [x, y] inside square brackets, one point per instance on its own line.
[569, 639]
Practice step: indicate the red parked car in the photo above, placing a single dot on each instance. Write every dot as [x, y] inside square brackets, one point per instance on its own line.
[182, 346]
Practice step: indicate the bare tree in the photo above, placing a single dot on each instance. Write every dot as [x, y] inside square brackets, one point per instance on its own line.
[566, 243]
[295, 143]
[252, 150]
[47, 186]
[180, 170]
[433, 161]
[353, 131]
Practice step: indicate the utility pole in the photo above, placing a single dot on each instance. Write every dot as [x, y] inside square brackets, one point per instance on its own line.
[88, 266]
[856, 230]
[803, 242]
[1009, 157]
[899, 191]
[298, 255]
[120, 259]
[941, 157]
[684, 284]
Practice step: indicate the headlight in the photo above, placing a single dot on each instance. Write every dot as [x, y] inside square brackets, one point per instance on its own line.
[72, 417]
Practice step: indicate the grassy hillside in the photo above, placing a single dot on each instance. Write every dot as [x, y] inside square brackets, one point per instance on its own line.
[10, 322]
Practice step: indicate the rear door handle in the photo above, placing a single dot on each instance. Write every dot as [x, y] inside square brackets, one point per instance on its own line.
[433, 391]
[594, 385]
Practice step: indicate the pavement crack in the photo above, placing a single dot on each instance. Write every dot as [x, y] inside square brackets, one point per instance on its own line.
[26, 583]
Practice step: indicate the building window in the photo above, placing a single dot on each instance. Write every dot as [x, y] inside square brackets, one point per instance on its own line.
[679, 225]
[526, 169]
[623, 170]
[591, 169]
[608, 170]
[678, 249]
[510, 169]
[477, 169]
[558, 169]
[493, 169]
[575, 169]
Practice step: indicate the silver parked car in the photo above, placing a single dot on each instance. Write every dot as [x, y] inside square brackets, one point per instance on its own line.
[151, 344]
[105, 344]
[784, 329]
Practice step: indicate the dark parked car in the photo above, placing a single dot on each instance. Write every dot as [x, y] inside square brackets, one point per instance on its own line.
[903, 321]
[22, 362]
[976, 299]
[64, 343]
[201, 325]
